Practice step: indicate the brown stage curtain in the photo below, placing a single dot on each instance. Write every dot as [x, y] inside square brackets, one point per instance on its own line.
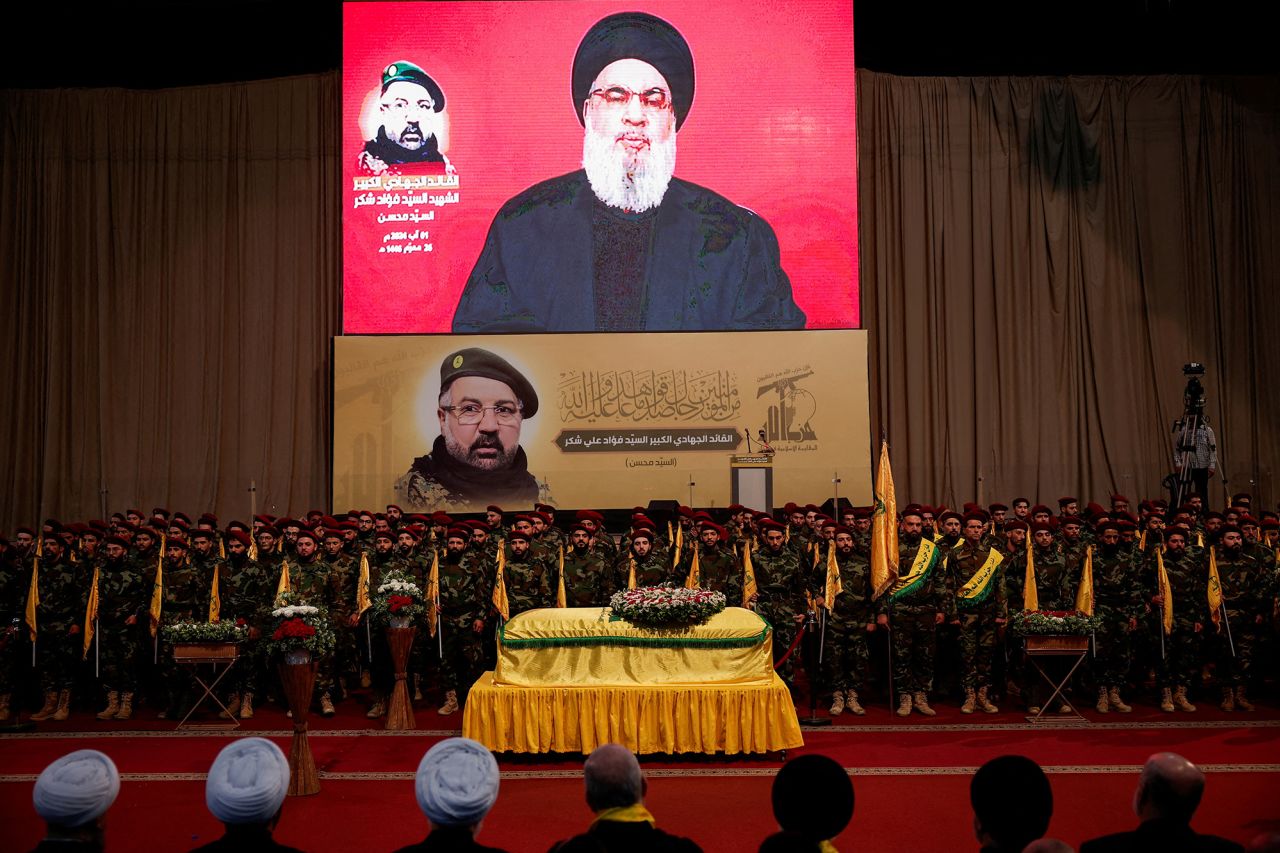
[1039, 258]
[170, 265]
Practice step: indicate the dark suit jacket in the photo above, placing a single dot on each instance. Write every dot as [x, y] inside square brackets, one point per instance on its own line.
[612, 836]
[448, 839]
[1160, 836]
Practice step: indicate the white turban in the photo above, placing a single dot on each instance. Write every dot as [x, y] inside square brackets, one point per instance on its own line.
[247, 782]
[457, 782]
[77, 788]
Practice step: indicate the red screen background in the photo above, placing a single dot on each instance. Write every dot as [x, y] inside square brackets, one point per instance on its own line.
[771, 128]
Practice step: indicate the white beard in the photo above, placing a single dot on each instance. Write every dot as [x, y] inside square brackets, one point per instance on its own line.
[634, 186]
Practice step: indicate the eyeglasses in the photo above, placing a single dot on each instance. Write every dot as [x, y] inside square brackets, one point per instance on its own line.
[619, 97]
[469, 414]
[405, 107]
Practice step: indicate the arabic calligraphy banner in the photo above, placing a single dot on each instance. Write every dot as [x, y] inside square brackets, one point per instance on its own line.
[596, 420]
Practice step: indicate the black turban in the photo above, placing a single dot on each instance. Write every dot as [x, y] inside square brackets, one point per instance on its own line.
[635, 35]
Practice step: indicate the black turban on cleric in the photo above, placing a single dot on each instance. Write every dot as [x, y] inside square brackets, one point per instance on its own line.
[635, 35]
[813, 795]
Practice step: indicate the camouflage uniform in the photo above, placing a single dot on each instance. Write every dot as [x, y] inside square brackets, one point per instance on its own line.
[14, 574]
[718, 569]
[185, 598]
[846, 657]
[462, 602]
[248, 590]
[588, 578]
[912, 622]
[1117, 598]
[1247, 590]
[344, 574]
[653, 570]
[780, 588]
[123, 591]
[1055, 592]
[311, 581]
[1188, 586]
[64, 594]
[530, 582]
[978, 628]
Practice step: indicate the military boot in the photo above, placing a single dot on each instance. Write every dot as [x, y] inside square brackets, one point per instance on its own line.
[366, 681]
[904, 705]
[450, 705]
[50, 705]
[1228, 699]
[1242, 699]
[126, 706]
[326, 705]
[1180, 700]
[851, 703]
[417, 687]
[233, 707]
[1113, 696]
[1103, 706]
[985, 703]
[379, 708]
[1166, 700]
[4, 707]
[113, 706]
[970, 701]
[246, 707]
[837, 703]
[920, 701]
[64, 706]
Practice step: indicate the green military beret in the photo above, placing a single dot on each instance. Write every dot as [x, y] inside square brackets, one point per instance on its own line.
[410, 73]
[474, 361]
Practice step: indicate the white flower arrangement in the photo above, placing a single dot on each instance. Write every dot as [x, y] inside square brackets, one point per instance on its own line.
[293, 610]
[395, 585]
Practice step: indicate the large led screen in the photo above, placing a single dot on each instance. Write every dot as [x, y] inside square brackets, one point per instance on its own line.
[598, 166]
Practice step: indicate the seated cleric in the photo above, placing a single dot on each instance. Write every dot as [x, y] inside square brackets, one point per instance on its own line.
[409, 107]
[621, 245]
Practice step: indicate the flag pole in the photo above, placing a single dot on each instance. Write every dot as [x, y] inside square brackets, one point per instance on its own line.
[1227, 622]
[97, 648]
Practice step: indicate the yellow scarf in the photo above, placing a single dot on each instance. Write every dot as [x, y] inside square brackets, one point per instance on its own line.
[827, 847]
[634, 813]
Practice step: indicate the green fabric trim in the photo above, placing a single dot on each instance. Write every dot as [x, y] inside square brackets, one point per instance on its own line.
[895, 597]
[970, 603]
[641, 642]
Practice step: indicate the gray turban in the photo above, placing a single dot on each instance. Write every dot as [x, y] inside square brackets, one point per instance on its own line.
[247, 782]
[457, 782]
[77, 788]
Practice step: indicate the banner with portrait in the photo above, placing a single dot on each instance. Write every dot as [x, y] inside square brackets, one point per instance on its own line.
[469, 199]
[454, 423]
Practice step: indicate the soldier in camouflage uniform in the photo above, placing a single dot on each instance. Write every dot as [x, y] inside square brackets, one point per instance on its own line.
[1117, 600]
[530, 578]
[588, 573]
[344, 574]
[912, 610]
[1055, 591]
[185, 598]
[650, 565]
[780, 590]
[123, 595]
[15, 577]
[417, 556]
[982, 608]
[64, 592]
[248, 595]
[601, 541]
[382, 561]
[462, 616]
[1248, 587]
[1188, 587]
[850, 619]
[718, 567]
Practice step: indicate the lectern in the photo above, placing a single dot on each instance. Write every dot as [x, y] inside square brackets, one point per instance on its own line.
[751, 481]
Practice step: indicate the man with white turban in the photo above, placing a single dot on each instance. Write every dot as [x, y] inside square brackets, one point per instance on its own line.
[456, 785]
[245, 790]
[72, 795]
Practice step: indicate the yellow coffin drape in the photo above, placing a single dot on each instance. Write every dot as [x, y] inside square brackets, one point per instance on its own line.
[728, 718]
[584, 646]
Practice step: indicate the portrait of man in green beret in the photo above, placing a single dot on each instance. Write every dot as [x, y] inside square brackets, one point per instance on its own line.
[409, 107]
[477, 458]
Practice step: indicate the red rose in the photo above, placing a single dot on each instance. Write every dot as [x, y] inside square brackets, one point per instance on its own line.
[396, 603]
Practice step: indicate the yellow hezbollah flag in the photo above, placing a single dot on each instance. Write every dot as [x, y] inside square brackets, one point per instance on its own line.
[433, 591]
[1166, 592]
[33, 598]
[1215, 589]
[362, 585]
[90, 615]
[1030, 596]
[695, 571]
[561, 598]
[631, 572]
[500, 602]
[834, 585]
[1084, 595]
[884, 528]
[215, 598]
[284, 584]
[675, 559]
[748, 575]
[157, 590]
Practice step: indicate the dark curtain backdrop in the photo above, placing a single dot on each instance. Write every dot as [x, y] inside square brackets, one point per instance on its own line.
[170, 262]
[1039, 257]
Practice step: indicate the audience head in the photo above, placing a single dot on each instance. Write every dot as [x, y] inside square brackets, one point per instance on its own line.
[1170, 787]
[1048, 845]
[457, 783]
[1012, 802]
[613, 778]
[73, 794]
[789, 842]
[1267, 842]
[247, 783]
[813, 796]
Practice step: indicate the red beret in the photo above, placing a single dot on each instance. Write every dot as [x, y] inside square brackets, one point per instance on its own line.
[516, 534]
[1015, 524]
[118, 540]
[1065, 501]
[176, 542]
[1041, 508]
[790, 508]
[770, 524]
[1037, 526]
[201, 533]
[459, 532]
[950, 514]
[997, 507]
[239, 536]
[493, 508]
[1177, 530]
[840, 528]
[642, 533]
[711, 525]
[307, 534]
[1109, 525]
[975, 515]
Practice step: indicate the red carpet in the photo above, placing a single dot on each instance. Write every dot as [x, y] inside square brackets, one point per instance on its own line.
[367, 797]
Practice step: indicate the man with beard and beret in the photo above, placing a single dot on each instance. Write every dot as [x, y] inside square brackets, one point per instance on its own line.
[977, 575]
[1054, 591]
[621, 245]
[914, 606]
[1248, 587]
[15, 580]
[588, 574]
[408, 139]
[382, 561]
[477, 457]
[63, 594]
[1188, 589]
[718, 567]
[248, 594]
[184, 598]
[641, 562]
[1117, 601]
[463, 607]
[123, 596]
[344, 573]
[850, 619]
[529, 577]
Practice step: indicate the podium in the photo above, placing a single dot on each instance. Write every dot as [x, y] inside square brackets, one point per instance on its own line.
[751, 480]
